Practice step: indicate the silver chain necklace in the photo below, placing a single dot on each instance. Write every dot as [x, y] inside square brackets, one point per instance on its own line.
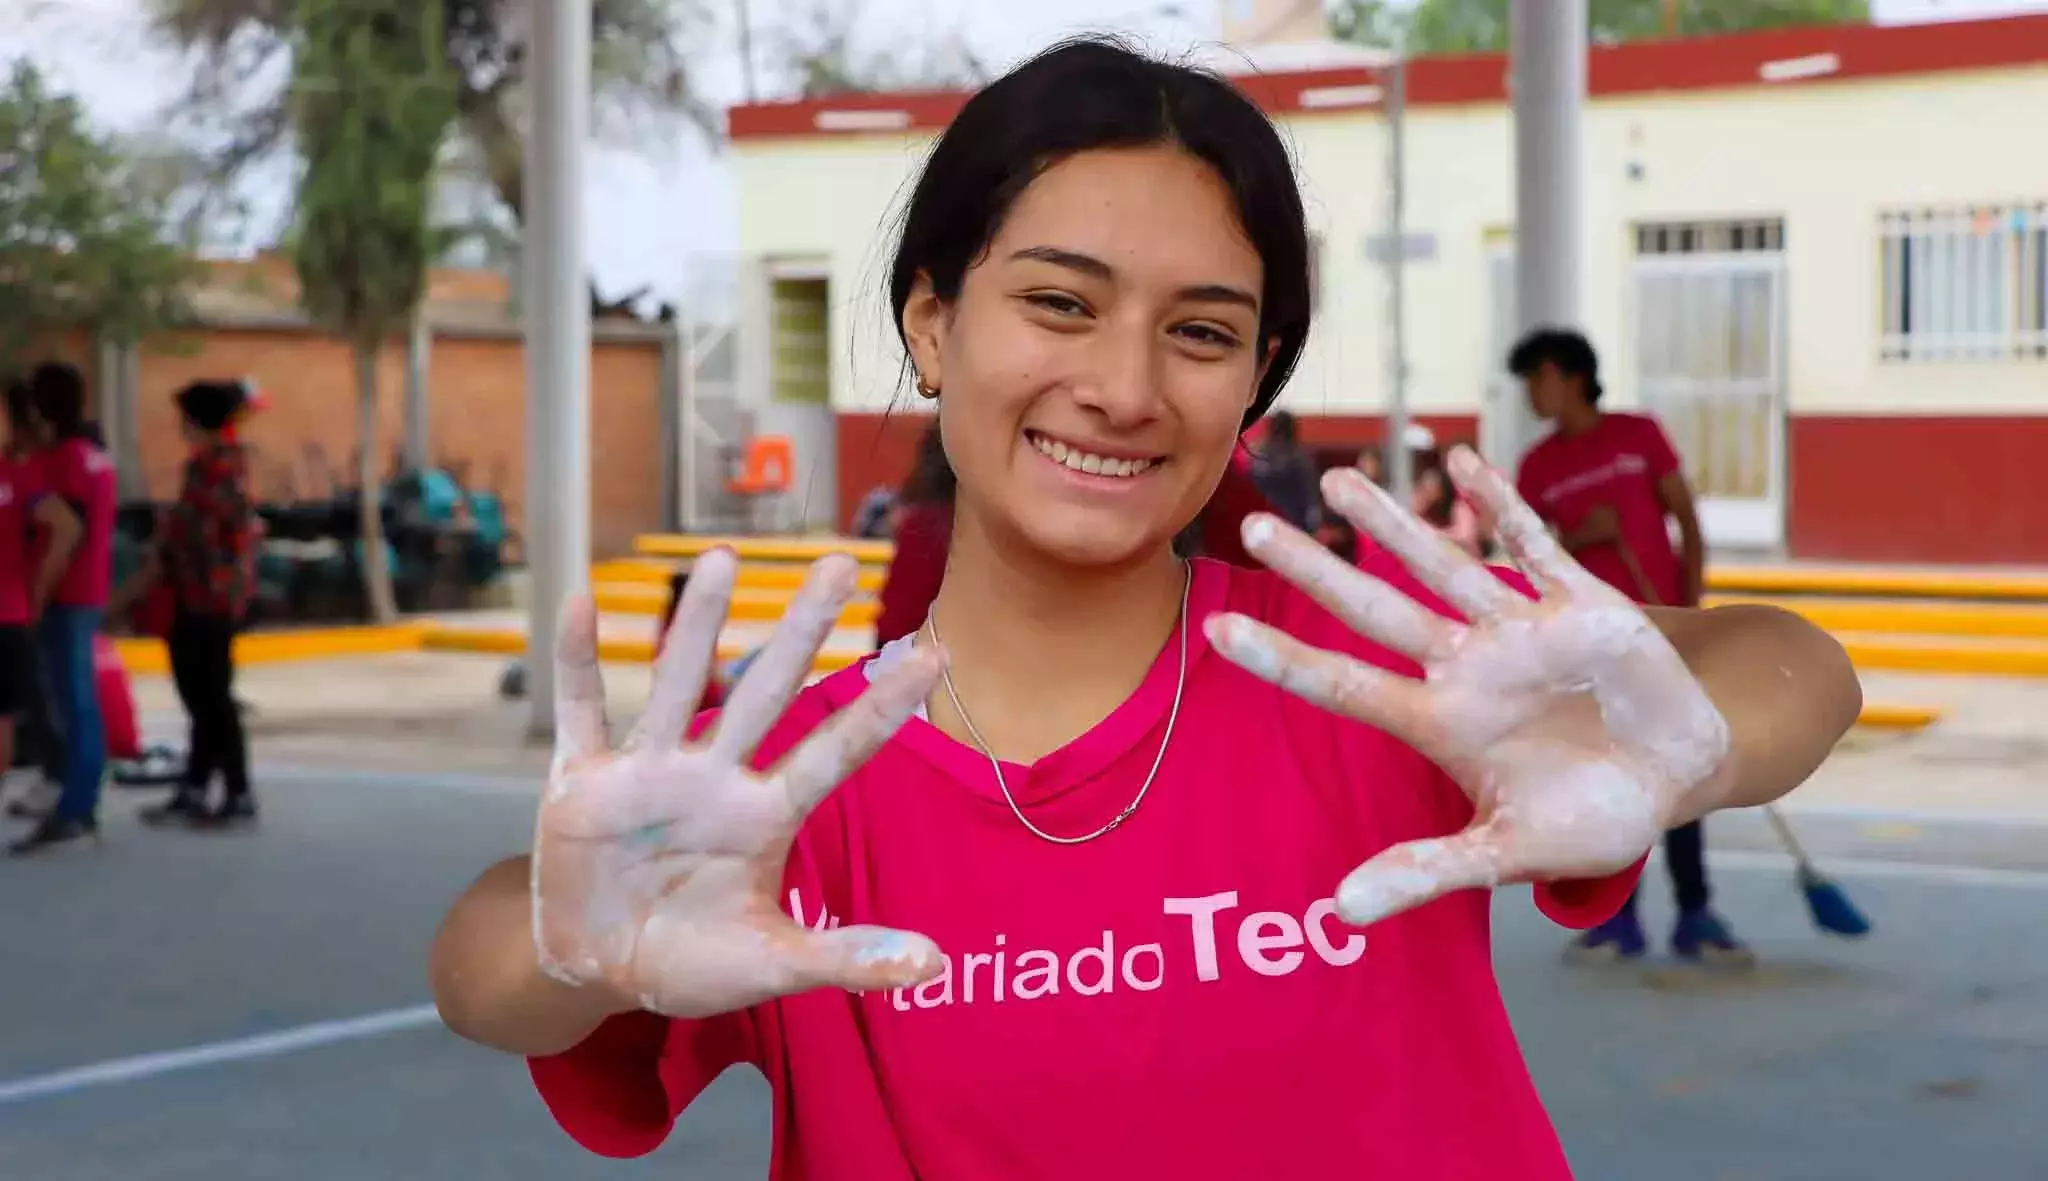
[1180, 685]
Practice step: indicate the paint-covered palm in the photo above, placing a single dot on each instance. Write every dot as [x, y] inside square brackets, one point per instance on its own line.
[1573, 725]
[657, 865]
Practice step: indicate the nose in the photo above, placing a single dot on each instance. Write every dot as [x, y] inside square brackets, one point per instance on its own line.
[1123, 377]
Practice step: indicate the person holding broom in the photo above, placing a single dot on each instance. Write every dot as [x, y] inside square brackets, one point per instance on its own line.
[1607, 483]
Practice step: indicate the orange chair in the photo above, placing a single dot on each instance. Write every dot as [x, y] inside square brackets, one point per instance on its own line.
[767, 472]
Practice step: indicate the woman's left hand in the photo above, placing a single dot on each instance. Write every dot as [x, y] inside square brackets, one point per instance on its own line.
[1575, 728]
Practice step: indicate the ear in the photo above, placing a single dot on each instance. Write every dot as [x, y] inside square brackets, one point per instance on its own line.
[926, 318]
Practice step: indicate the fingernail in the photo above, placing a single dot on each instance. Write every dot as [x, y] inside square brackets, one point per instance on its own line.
[1258, 530]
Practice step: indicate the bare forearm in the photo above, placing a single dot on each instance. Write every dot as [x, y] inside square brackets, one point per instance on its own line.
[1786, 687]
[1693, 551]
[487, 979]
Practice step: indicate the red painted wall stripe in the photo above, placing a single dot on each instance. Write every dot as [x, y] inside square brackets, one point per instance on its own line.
[1804, 57]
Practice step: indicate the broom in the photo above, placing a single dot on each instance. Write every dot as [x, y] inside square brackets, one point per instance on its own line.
[1826, 901]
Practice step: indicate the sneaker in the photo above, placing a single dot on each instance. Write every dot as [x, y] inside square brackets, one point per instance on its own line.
[54, 830]
[1702, 938]
[34, 797]
[1616, 940]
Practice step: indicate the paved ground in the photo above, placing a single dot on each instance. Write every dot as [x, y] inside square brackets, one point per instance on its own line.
[1921, 1053]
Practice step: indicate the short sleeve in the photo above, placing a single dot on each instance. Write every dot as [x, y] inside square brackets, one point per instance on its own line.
[618, 1093]
[1657, 449]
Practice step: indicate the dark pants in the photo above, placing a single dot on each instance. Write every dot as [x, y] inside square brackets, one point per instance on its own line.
[1685, 855]
[66, 638]
[37, 741]
[202, 649]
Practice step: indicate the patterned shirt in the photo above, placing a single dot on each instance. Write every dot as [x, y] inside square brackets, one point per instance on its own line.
[209, 536]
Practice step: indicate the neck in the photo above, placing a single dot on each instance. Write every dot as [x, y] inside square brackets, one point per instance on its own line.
[1041, 652]
[1578, 421]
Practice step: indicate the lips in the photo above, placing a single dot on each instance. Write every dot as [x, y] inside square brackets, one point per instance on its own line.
[1074, 458]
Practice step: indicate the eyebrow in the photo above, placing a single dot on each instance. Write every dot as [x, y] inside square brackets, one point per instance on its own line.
[1095, 268]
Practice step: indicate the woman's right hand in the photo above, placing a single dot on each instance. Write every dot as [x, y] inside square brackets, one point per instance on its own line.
[658, 864]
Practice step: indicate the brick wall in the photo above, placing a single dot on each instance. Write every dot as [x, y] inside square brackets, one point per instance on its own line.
[477, 387]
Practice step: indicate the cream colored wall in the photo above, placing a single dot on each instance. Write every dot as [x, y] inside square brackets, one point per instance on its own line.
[1825, 157]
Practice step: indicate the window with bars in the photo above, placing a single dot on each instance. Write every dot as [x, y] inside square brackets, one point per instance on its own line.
[1756, 235]
[1968, 283]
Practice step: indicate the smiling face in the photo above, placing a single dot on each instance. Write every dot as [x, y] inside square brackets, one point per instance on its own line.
[1098, 363]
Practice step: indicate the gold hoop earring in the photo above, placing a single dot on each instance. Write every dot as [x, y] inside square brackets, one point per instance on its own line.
[926, 390]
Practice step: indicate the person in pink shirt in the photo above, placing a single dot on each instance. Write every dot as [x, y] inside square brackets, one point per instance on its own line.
[1607, 483]
[1121, 865]
[69, 597]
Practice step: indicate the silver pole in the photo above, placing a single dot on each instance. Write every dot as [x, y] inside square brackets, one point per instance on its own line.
[1400, 466]
[1548, 41]
[419, 348]
[557, 525]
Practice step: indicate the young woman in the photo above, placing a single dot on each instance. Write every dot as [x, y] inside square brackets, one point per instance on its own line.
[1046, 888]
[69, 596]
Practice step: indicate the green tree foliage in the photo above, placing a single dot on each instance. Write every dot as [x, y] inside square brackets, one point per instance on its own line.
[372, 104]
[639, 69]
[1481, 26]
[82, 228]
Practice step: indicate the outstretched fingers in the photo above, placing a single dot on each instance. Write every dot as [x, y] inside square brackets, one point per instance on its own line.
[1367, 605]
[580, 729]
[688, 652]
[1463, 581]
[778, 672]
[850, 737]
[1396, 704]
[1522, 533]
[866, 959]
[1407, 876]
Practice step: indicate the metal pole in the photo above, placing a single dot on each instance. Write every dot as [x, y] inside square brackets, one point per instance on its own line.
[557, 525]
[1549, 88]
[1400, 466]
[419, 348]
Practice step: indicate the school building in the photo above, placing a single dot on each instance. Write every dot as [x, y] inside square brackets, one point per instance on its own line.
[1820, 256]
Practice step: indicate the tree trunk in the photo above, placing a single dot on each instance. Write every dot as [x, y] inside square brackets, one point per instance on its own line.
[369, 485]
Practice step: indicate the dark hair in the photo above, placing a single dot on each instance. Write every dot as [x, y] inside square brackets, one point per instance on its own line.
[1568, 352]
[931, 478]
[20, 420]
[1437, 512]
[1283, 428]
[1094, 93]
[57, 391]
[211, 405]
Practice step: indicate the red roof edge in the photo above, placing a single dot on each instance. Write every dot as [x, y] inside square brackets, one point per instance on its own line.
[1775, 57]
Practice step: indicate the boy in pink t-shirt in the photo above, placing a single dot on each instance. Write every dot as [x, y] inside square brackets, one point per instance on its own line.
[1608, 483]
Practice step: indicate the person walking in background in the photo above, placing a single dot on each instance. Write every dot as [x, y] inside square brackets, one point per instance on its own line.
[1607, 483]
[206, 552]
[38, 748]
[1286, 475]
[19, 672]
[923, 534]
[70, 594]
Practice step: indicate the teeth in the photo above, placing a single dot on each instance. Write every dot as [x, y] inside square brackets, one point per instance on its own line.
[1094, 465]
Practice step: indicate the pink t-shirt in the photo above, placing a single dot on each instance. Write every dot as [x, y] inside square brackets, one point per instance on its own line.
[1175, 999]
[17, 500]
[83, 476]
[1617, 463]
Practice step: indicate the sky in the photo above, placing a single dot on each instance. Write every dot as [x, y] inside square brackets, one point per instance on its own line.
[661, 204]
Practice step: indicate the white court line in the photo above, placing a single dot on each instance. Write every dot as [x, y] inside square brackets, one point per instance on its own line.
[391, 1021]
[1913, 871]
[262, 1045]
